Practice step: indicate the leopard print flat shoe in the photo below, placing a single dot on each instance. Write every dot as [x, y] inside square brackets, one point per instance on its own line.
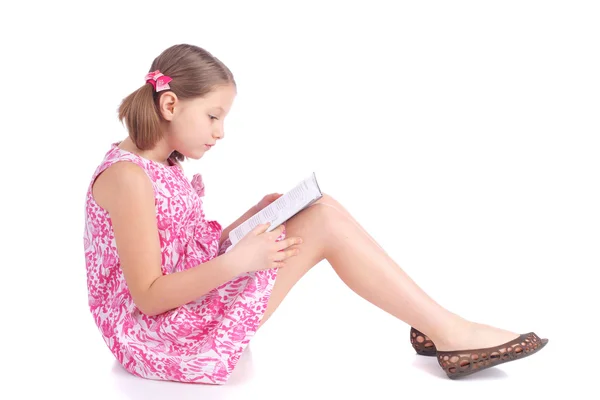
[421, 343]
[461, 363]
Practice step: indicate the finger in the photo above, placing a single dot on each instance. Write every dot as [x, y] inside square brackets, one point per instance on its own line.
[274, 234]
[291, 253]
[285, 254]
[260, 228]
[288, 242]
[281, 255]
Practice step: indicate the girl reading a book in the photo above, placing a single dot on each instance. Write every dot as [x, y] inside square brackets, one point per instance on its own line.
[172, 304]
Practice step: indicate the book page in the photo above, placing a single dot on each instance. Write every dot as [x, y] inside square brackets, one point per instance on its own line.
[282, 209]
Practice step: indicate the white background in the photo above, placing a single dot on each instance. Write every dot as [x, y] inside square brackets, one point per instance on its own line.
[463, 135]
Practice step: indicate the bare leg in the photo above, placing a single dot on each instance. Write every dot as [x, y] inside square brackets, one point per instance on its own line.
[329, 232]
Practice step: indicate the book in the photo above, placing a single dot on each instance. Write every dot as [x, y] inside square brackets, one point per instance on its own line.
[303, 195]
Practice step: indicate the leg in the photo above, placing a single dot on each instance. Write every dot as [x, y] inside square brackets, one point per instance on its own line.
[318, 226]
[312, 251]
[329, 232]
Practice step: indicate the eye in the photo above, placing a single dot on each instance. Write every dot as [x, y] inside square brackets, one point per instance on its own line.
[211, 117]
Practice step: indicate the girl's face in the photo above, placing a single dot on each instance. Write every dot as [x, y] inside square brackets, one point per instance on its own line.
[196, 123]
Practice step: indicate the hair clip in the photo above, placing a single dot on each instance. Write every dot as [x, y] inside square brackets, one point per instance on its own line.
[158, 80]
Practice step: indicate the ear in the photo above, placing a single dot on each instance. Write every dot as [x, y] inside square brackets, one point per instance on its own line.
[166, 105]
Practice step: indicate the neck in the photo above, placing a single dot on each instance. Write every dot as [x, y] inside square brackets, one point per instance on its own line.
[160, 153]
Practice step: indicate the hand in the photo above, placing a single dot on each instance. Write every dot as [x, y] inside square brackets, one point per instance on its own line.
[268, 199]
[259, 250]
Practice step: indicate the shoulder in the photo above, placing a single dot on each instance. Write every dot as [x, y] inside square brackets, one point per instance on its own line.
[122, 180]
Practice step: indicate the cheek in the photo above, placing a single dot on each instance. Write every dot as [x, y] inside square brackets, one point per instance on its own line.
[191, 126]
[199, 130]
[192, 131]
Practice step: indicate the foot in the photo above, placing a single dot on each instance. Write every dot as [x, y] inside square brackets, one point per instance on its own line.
[468, 335]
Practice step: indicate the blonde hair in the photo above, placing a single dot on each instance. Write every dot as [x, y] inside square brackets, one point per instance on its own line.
[195, 73]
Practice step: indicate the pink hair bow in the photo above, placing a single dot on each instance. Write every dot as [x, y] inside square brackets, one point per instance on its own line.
[158, 80]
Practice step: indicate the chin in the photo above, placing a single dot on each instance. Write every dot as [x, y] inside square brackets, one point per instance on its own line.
[196, 155]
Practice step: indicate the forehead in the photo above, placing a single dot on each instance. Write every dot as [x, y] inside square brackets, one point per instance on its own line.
[220, 98]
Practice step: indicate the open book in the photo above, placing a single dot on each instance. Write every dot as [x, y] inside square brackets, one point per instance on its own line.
[282, 209]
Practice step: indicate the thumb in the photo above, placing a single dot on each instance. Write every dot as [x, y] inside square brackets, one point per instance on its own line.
[261, 228]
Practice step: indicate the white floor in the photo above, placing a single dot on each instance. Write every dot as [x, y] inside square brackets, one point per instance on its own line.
[324, 342]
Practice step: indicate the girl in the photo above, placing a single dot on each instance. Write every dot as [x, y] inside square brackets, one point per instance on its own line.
[171, 304]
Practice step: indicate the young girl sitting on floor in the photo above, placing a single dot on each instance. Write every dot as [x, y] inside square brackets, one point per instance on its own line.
[171, 304]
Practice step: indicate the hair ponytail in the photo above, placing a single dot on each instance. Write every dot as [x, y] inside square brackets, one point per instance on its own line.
[141, 117]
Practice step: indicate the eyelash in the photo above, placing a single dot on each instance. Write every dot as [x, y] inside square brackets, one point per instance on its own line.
[211, 117]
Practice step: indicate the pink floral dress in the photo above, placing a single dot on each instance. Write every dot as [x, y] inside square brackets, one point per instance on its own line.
[200, 341]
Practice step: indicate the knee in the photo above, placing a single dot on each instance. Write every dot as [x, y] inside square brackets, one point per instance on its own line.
[326, 199]
[328, 207]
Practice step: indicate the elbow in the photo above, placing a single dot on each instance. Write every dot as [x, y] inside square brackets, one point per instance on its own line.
[147, 302]
[151, 311]
[148, 307]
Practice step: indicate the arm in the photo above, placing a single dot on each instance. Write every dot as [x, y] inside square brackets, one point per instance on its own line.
[126, 193]
[173, 290]
[225, 234]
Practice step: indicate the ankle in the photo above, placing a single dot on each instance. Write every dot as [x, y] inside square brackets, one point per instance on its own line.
[448, 333]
